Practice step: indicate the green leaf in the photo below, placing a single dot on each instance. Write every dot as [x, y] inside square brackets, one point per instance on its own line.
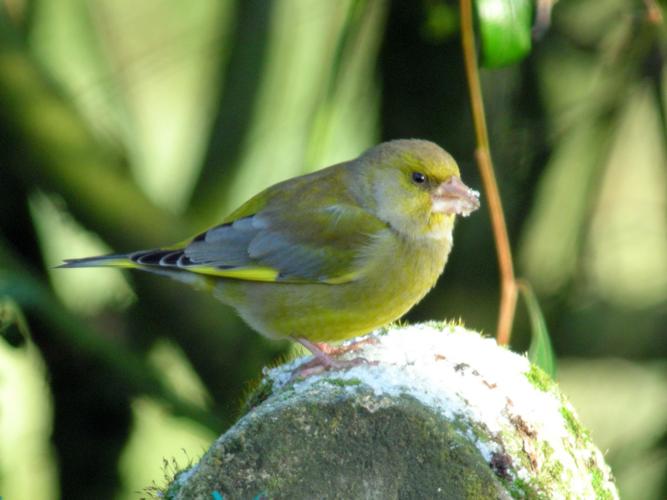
[540, 351]
[505, 31]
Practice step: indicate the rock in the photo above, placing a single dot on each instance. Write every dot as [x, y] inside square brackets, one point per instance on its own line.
[444, 413]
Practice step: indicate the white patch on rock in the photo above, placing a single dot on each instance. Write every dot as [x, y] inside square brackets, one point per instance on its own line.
[464, 376]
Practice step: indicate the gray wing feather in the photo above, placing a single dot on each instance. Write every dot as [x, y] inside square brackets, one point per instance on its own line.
[224, 246]
[253, 241]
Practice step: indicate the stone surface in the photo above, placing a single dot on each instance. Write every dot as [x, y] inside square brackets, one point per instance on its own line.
[440, 413]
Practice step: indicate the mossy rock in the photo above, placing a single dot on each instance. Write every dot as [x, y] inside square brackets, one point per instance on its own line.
[445, 413]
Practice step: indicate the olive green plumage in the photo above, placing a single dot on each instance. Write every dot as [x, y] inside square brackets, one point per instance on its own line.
[329, 255]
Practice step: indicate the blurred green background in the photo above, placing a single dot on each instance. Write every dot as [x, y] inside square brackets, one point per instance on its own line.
[127, 125]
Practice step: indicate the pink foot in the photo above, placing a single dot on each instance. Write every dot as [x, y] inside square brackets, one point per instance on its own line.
[322, 357]
[344, 349]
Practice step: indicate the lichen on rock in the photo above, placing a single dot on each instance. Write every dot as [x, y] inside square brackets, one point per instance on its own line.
[439, 412]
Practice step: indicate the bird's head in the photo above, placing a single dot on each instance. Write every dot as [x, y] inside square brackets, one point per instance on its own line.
[415, 186]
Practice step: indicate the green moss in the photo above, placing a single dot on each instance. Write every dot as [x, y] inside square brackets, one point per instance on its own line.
[573, 425]
[547, 450]
[539, 379]
[173, 476]
[597, 480]
[342, 382]
[481, 432]
[522, 489]
[445, 325]
[398, 449]
[553, 468]
[555, 471]
[257, 396]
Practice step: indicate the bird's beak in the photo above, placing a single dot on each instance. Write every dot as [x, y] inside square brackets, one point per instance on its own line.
[454, 197]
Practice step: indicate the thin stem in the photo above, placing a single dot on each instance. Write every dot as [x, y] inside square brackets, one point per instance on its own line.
[508, 291]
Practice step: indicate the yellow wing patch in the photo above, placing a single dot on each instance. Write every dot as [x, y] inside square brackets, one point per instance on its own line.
[267, 274]
[264, 274]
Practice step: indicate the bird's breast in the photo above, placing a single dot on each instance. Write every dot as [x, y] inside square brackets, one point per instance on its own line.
[406, 269]
[397, 273]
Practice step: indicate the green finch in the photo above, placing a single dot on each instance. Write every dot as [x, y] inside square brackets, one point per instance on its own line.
[329, 255]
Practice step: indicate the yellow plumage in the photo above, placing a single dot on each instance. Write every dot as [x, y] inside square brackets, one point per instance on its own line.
[329, 255]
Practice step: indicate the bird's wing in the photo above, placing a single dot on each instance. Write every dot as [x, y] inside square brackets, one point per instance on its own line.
[308, 229]
[324, 245]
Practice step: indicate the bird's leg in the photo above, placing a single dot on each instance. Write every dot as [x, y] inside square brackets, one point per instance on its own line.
[344, 349]
[323, 361]
[320, 350]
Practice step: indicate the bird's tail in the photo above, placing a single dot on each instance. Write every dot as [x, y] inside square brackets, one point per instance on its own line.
[114, 260]
[166, 262]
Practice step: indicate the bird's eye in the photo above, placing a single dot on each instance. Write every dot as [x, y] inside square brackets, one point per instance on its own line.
[418, 178]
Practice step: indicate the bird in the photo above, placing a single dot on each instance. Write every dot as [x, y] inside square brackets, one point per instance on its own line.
[330, 255]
